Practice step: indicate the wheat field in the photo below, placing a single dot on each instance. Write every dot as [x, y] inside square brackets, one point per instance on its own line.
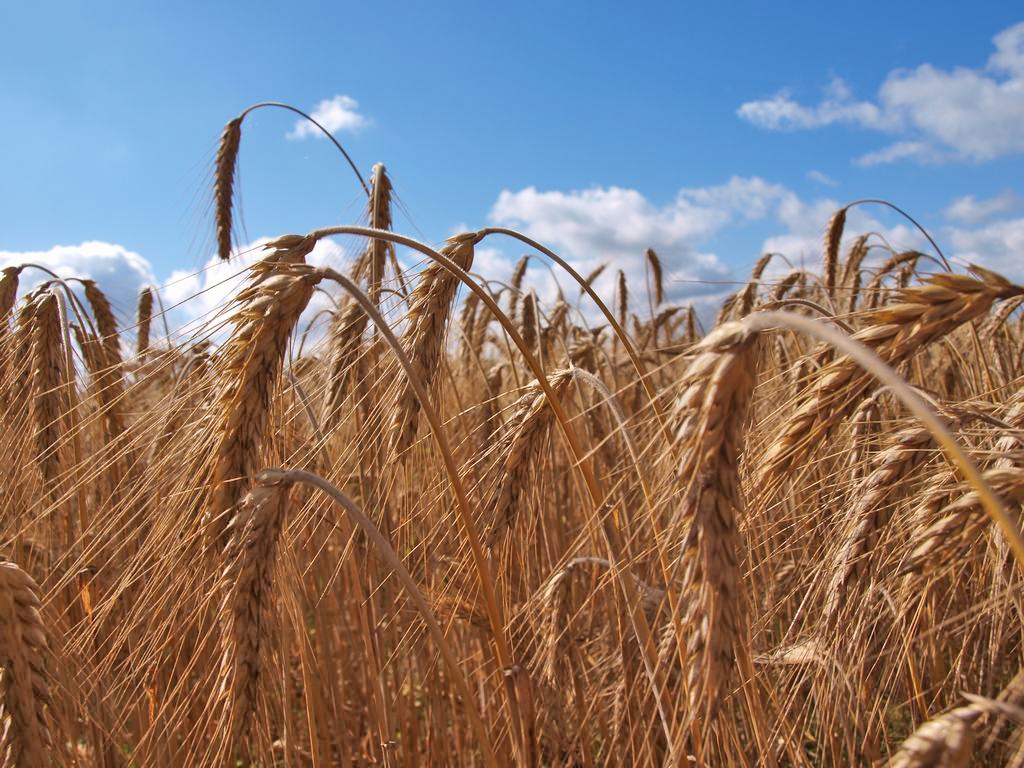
[444, 522]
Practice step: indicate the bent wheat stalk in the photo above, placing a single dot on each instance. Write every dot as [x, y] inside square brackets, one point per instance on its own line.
[895, 332]
[388, 554]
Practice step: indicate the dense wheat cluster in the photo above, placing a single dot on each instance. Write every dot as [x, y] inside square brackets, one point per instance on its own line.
[454, 524]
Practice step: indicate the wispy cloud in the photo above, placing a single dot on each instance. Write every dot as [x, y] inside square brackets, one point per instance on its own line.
[781, 112]
[338, 114]
[822, 178]
[969, 210]
[921, 151]
[969, 114]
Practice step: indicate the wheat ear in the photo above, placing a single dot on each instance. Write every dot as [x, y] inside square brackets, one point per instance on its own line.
[657, 275]
[947, 741]
[833, 236]
[26, 741]
[144, 318]
[516, 450]
[250, 364]
[374, 259]
[927, 312]
[41, 318]
[709, 416]
[871, 511]
[346, 342]
[248, 580]
[951, 531]
[429, 308]
[224, 184]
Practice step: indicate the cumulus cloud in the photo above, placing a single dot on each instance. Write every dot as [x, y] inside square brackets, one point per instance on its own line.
[617, 225]
[195, 300]
[338, 114]
[969, 210]
[962, 113]
[121, 273]
[996, 245]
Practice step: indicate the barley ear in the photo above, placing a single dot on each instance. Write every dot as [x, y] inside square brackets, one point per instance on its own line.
[143, 321]
[248, 585]
[710, 416]
[224, 184]
[833, 236]
[24, 691]
[250, 366]
[657, 276]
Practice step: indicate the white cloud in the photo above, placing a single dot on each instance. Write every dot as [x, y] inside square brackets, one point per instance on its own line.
[192, 299]
[968, 210]
[119, 272]
[338, 114]
[822, 178]
[998, 245]
[963, 113]
[1009, 55]
[781, 112]
[903, 150]
[617, 225]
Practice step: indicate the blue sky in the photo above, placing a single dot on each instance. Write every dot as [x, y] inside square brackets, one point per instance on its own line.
[709, 131]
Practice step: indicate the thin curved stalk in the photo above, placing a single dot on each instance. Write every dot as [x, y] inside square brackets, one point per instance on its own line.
[609, 316]
[328, 134]
[783, 303]
[908, 217]
[612, 536]
[497, 621]
[272, 476]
